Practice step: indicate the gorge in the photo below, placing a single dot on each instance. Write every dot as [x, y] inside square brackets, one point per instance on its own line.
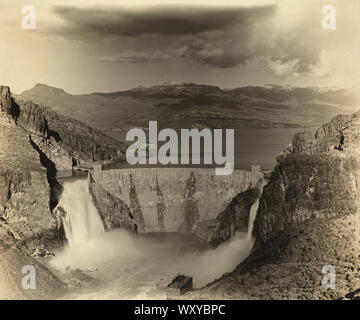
[154, 257]
[306, 216]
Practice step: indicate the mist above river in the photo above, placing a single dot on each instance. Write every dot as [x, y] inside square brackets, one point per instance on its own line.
[138, 266]
[134, 267]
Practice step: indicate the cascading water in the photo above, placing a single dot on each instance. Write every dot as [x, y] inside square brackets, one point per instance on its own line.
[136, 267]
[213, 263]
[82, 220]
[253, 211]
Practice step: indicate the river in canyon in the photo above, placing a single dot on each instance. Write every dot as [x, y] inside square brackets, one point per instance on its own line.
[127, 266]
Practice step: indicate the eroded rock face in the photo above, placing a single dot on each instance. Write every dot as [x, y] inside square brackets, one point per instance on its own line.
[308, 219]
[24, 189]
[308, 187]
[24, 202]
[235, 218]
[113, 211]
[64, 141]
[35, 143]
[5, 99]
[32, 118]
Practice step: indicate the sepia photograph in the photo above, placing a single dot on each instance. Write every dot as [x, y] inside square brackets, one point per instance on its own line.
[179, 151]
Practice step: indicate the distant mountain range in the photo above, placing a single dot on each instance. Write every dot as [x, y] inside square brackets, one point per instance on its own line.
[191, 105]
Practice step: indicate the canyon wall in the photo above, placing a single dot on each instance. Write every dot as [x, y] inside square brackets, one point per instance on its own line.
[24, 189]
[174, 199]
[308, 221]
[64, 141]
[113, 211]
[36, 143]
[234, 218]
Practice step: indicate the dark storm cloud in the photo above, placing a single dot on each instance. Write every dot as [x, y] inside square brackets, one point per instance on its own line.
[215, 37]
[139, 57]
[213, 57]
[170, 20]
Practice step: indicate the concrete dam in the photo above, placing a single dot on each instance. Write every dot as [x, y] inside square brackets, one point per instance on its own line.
[174, 199]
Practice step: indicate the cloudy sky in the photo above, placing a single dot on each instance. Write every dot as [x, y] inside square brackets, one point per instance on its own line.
[109, 45]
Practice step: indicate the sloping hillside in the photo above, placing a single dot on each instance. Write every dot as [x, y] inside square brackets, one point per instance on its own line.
[308, 220]
[36, 142]
[65, 141]
[192, 105]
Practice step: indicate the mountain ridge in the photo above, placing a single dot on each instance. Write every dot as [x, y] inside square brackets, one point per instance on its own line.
[187, 88]
[190, 105]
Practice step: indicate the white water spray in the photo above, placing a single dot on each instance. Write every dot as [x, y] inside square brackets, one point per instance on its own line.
[132, 266]
[213, 263]
[253, 211]
[82, 220]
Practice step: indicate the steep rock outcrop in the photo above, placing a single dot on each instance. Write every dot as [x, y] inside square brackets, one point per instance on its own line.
[24, 188]
[235, 218]
[113, 211]
[36, 142]
[5, 100]
[32, 118]
[66, 142]
[308, 219]
[308, 187]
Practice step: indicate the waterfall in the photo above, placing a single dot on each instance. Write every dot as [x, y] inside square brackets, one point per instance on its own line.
[82, 220]
[132, 265]
[253, 211]
[213, 263]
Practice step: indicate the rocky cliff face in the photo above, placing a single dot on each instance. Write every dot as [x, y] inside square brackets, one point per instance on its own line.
[313, 180]
[65, 141]
[308, 219]
[113, 211]
[36, 142]
[7, 105]
[306, 188]
[235, 218]
[24, 188]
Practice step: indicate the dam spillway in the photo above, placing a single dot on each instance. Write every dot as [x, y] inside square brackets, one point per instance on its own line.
[168, 200]
[174, 199]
